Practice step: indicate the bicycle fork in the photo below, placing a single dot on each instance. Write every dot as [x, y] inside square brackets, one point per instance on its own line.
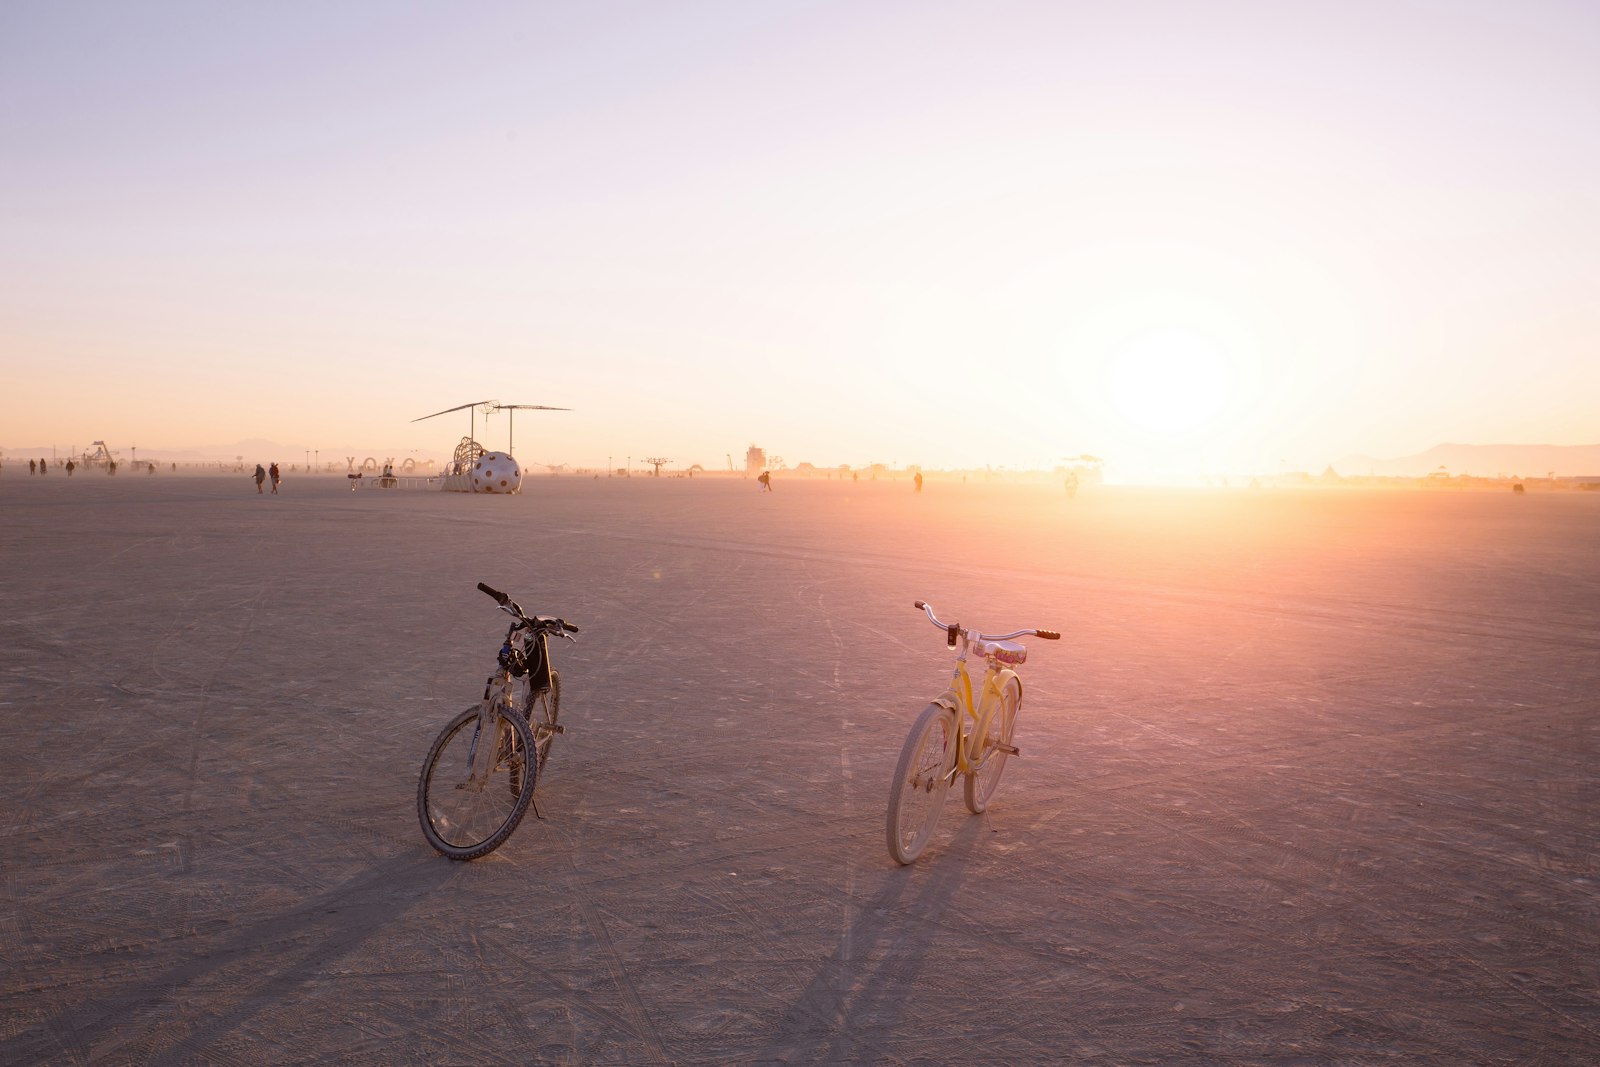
[482, 758]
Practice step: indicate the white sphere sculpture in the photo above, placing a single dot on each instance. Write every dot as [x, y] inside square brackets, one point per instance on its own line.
[496, 472]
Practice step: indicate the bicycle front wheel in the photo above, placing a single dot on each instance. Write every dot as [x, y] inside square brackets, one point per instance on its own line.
[921, 780]
[981, 783]
[476, 784]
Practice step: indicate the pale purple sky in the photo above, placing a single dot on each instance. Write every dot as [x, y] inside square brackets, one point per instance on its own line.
[1184, 236]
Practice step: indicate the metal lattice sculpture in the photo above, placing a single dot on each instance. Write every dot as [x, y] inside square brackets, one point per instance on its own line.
[467, 453]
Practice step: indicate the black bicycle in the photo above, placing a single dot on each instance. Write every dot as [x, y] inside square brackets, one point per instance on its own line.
[478, 779]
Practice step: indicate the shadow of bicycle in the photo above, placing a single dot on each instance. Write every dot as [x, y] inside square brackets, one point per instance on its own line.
[321, 930]
[856, 999]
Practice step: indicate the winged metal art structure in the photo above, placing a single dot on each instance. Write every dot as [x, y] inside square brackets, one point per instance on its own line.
[473, 468]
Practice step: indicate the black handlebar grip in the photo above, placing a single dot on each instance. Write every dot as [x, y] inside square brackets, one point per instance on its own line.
[499, 597]
[919, 605]
[1048, 635]
[567, 626]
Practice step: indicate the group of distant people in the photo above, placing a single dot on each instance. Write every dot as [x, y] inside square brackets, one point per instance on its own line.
[262, 475]
[42, 467]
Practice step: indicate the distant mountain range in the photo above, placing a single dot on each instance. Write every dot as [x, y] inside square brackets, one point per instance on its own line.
[1483, 461]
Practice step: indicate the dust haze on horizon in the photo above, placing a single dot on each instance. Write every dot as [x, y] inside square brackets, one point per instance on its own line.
[1190, 239]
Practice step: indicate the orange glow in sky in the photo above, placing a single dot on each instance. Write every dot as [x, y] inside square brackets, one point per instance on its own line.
[1190, 238]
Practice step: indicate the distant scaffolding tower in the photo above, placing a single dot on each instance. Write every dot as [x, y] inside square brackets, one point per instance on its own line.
[755, 460]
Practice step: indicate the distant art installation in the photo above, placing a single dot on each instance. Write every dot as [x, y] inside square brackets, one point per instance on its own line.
[458, 478]
[496, 472]
[474, 470]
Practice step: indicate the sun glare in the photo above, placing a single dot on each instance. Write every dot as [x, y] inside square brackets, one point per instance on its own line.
[1168, 384]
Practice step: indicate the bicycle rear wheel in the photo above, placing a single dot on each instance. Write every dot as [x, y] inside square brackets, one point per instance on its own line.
[981, 784]
[544, 712]
[467, 811]
[920, 783]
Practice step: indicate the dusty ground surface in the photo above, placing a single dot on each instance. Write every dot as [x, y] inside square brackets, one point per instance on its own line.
[1310, 780]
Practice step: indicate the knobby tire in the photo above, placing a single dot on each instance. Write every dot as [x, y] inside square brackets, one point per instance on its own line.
[464, 818]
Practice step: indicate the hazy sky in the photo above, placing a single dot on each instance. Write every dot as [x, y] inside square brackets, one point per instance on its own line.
[1183, 235]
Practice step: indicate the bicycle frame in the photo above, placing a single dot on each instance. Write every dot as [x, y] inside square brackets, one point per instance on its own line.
[481, 758]
[972, 719]
[525, 645]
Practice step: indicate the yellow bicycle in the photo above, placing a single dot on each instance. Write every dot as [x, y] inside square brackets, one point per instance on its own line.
[956, 734]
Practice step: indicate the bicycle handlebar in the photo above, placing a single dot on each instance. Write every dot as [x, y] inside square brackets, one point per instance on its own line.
[952, 629]
[510, 607]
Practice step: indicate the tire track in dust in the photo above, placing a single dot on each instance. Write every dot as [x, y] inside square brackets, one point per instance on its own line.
[814, 591]
[639, 1019]
[1361, 881]
[502, 992]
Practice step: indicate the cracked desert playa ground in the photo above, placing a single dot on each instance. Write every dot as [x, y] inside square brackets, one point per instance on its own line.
[1310, 779]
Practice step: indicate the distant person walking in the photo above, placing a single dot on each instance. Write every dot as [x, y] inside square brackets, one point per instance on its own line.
[260, 476]
[917, 480]
[33, 468]
[276, 478]
[71, 466]
[42, 470]
[766, 481]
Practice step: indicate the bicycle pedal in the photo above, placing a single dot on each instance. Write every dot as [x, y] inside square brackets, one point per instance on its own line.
[1010, 750]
